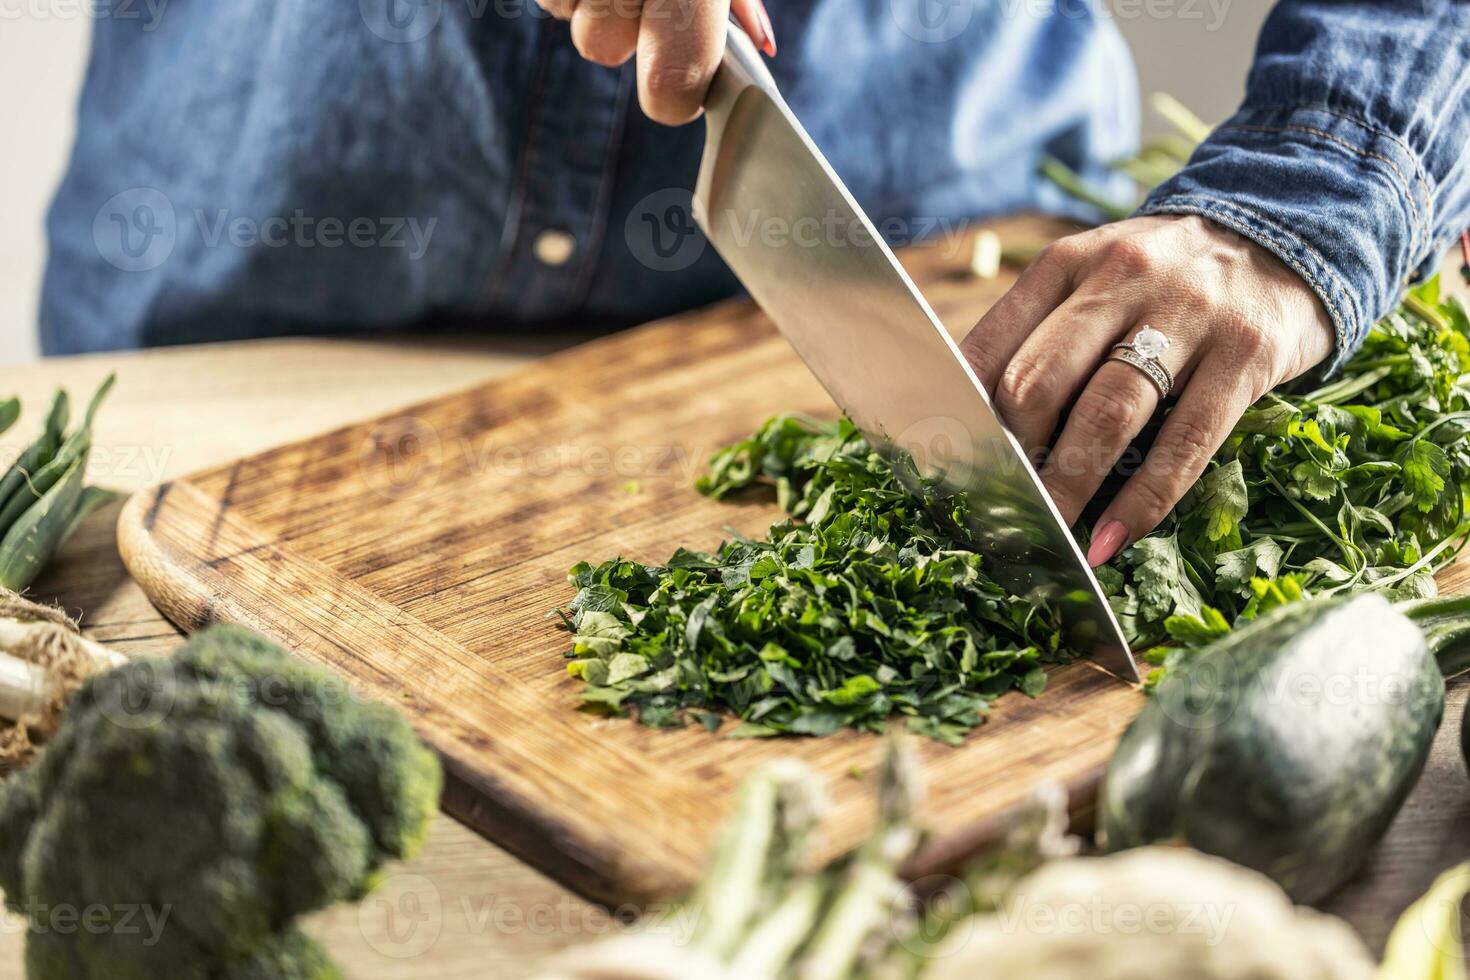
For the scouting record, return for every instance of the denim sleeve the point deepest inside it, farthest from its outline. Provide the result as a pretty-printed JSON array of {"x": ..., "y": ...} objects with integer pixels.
[{"x": 1348, "y": 157}]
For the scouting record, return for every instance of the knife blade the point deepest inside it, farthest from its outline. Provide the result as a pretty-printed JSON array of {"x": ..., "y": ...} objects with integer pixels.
[{"x": 788, "y": 228}]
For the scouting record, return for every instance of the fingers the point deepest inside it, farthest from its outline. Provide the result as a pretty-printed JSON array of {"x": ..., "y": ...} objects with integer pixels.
[
  {"x": 1111, "y": 411},
  {"x": 1000, "y": 332},
  {"x": 757, "y": 23},
  {"x": 606, "y": 31},
  {"x": 1239, "y": 319},
  {"x": 560, "y": 9},
  {"x": 678, "y": 44},
  {"x": 679, "y": 48},
  {"x": 1109, "y": 414},
  {"x": 1056, "y": 360},
  {"x": 1193, "y": 431}
]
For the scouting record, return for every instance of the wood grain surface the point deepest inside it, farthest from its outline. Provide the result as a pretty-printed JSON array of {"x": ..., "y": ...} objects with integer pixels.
[
  {"x": 419, "y": 554},
  {"x": 464, "y": 909},
  {"x": 467, "y": 909}
]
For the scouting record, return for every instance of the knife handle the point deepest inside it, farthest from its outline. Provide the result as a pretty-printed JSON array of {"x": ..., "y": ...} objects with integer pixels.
[{"x": 741, "y": 67}]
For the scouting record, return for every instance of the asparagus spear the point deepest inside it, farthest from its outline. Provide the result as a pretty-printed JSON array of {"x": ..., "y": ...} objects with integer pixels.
[
  {"x": 1157, "y": 160},
  {"x": 1071, "y": 182},
  {"x": 773, "y": 941},
  {"x": 866, "y": 898},
  {"x": 1177, "y": 114},
  {"x": 760, "y": 848}
]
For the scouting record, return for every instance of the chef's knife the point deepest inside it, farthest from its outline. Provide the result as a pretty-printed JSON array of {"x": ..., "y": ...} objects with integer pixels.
[{"x": 785, "y": 224}]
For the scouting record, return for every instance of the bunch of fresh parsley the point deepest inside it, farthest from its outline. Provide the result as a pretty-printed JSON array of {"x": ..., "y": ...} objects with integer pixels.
[
  {"x": 860, "y": 605},
  {"x": 856, "y": 607},
  {"x": 1359, "y": 484}
]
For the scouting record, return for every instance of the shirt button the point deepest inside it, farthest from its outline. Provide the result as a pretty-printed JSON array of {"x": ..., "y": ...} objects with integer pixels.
[{"x": 554, "y": 247}]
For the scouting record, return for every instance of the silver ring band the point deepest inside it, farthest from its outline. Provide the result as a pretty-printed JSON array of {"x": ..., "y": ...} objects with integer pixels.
[{"x": 1152, "y": 368}]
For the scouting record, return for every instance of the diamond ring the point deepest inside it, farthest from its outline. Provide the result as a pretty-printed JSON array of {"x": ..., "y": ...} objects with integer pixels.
[{"x": 1143, "y": 352}]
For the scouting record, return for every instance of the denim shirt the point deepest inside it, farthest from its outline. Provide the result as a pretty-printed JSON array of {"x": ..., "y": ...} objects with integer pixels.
[
  {"x": 274, "y": 167},
  {"x": 1350, "y": 156},
  {"x": 498, "y": 180}
]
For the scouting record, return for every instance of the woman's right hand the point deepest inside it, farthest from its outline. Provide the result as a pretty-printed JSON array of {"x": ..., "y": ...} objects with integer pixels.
[{"x": 678, "y": 44}]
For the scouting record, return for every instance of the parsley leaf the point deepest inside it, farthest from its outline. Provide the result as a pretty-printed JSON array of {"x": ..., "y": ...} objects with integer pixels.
[{"x": 1359, "y": 484}]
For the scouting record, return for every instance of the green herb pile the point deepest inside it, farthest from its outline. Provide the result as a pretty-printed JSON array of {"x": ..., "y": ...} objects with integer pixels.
[
  {"x": 856, "y": 607},
  {"x": 859, "y": 605},
  {"x": 1359, "y": 484},
  {"x": 43, "y": 496}
]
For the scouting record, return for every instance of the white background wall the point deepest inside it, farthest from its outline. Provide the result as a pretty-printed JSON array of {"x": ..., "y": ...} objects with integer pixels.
[
  {"x": 42, "y": 51},
  {"x": 1195, "y": 49}
]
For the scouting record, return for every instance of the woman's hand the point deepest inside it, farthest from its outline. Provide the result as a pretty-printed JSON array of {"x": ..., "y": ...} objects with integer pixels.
[
  {"x": 1239, "y": 323},
  {"x": 678, "y": 43}
]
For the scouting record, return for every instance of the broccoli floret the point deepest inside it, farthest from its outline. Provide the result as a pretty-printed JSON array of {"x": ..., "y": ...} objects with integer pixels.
[
  {"x": 292, "y": 955},
  {"x": 219, "y": 793},
  {"x": 287, "y": 955}
]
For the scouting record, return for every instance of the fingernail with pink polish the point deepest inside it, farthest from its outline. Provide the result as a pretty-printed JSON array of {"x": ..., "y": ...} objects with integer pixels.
[
  {"x": 768, "y": 42},
  {"x": 1107, "y": 542}
]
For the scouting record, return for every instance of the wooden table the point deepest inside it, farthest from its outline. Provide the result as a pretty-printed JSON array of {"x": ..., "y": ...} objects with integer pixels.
[{"x": 464, "y": 908}]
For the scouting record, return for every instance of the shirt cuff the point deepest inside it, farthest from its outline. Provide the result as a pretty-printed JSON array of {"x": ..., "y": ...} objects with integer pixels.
[{"x": 1344, "y": 204}]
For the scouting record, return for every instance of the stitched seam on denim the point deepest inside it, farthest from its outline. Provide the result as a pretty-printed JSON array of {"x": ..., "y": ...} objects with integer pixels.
[
  {"x": 1417, "y": 233},
  {"x": 510, "y": 233},
  {"x": 598, "y": 230},
  {"x": 1294, "y": 128},
  {"x": 1420, "y": 176},
  {"x": 1225, "y": 212}
]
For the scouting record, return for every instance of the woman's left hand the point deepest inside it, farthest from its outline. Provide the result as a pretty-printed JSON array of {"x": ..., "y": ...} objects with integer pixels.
[{"x": 1239, "y": 322}]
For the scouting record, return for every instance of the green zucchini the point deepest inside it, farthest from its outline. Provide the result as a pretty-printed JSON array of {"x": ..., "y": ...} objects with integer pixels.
[{"x": 1289, "y": 745}]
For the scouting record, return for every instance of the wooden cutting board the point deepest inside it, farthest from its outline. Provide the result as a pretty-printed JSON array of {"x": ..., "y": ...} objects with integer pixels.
[{"x": 419, "y": 555}]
